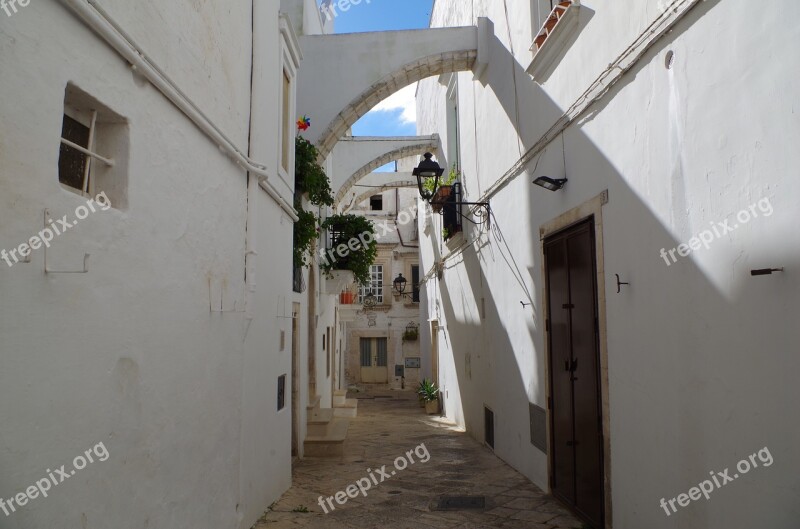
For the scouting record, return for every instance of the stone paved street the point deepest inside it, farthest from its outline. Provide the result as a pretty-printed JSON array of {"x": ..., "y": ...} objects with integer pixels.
[{"x": 387, "y": 427}]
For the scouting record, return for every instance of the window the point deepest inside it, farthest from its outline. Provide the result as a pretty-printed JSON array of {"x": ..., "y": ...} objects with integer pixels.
[
  {"x": 329, "y": 356},
  {"x": 286, "y": 122},
  {"x": 451, "y": 213},
  {"x": 93, "y": 148},
  {"x": 72, "y": 170},
  {"x": 376, "y": 203},
  {"x": 453, "y": 125},
  {"x": 298, "y": 283},
  {"x": 285, "y": 80},
  {"x": 415, "y": 283},
  {"x": 281, "y": 392},
  {"x": 375, "y": 285},
  {"x": 552, "y": 33}
]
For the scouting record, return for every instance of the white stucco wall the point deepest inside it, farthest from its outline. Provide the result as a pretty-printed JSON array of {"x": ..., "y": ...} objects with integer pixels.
[
  {"x": 130, "y": 354},
  {"x": 692, "y": 347}
]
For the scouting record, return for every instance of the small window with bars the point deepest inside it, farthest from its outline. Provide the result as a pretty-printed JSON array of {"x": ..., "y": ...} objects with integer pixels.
[{"x": 94, "y": 148}]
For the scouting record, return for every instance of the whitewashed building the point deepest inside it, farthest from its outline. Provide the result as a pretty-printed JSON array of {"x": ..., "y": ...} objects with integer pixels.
[
  {"x": 609, "y": 339},
  {"x": 383, "y": 341},
  {"x": 160, "y": 327}
]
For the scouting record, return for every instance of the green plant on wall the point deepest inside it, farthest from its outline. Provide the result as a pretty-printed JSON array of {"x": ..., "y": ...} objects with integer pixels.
[
  {"x": 350, "y": 231},
  {"x": 410, "y": 335},
  {"x": 454, "y": 175},
  {"x": 305, "y": 233},
  {"x": 310, "y": 177}
]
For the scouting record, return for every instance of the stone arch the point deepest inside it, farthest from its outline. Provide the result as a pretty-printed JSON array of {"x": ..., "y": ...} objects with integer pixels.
[
  {"x": 344, "y": 76},
  {"x": 367, "y": 100},
  {"x": 397, "y": 184},
  {"x": 426, "y": 144}
]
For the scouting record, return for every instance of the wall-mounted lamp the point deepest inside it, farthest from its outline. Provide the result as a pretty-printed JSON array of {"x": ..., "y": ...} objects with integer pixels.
[
  {"x": 765, "y": 271},
  {"x": 429, "y": 169},
  {"x": 400, "y": 284},
  {"x": 551, "y": 184}
]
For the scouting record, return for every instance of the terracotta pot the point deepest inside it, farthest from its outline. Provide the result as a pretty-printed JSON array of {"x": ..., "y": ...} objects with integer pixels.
[
  {"x": 432, "y": 407},
  {"x": 440, "y": 198}
]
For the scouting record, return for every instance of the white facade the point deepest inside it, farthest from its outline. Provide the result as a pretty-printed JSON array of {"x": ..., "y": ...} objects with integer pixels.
[
  {"x": 168, "y": 351},
  {"x": 398, "y": 253},
  {"x": 697, "y": 355}
]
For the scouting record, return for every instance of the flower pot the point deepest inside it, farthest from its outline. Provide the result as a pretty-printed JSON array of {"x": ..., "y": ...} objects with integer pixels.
[
  {"x": 347, "y": 298},
  {"x": 432, "y": 407},
  {"x": 441, "y": 198}
]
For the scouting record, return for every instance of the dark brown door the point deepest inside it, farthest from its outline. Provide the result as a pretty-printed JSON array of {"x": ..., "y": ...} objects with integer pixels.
[{"x": 575, "y": 417}]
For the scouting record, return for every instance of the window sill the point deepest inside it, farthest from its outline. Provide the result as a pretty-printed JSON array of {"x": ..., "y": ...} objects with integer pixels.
[{"x": 551, "y": 38}]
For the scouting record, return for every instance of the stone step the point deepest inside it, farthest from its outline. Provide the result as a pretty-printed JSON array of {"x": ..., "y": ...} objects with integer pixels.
[
  {"x": 348, "y": 409},
  {"x": 339, "y": 397},
  {"x": 330, "y": 444},
  {"x": 320, "y": 421}
]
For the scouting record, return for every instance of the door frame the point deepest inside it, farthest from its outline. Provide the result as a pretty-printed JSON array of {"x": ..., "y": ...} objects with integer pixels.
[
  {"x": 295, "y": 391},
  {"x": 374, "y": 358},
  {"x": 590, "y": 208}
]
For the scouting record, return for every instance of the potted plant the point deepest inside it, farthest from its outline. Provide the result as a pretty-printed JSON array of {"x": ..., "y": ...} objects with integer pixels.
[
  {"x": 445, "y": 189},
  {"x": 310, "y": 180},
  {"x": 347, "y": 297},
  {"x": 353, "y": 246},
  {"x": 429, "y": 393},
  {"x": 411, "y": 335}
]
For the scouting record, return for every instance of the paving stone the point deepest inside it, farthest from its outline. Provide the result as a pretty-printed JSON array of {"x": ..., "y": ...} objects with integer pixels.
[{"x": 388, "y": 428}]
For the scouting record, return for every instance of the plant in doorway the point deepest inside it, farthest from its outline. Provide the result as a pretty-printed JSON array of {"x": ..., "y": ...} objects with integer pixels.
[{"x": 429, "y": 394}]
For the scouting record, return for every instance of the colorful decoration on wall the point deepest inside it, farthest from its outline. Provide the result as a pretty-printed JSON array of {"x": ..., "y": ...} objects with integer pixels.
[{"x": 303, "y": 123}]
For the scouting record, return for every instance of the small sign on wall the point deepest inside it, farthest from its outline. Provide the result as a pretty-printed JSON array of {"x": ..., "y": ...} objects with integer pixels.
[
  {"x": 413, "y": 363},
  {"x": 399, "y": 371}
]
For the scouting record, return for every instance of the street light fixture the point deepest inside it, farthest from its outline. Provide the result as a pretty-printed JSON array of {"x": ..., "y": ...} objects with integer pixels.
[
  {"x": 400, "y": 284},
  {"x": 428, "y": 169}
]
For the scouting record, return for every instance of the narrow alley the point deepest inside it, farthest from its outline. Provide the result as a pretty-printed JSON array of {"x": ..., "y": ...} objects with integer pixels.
[{"x": 388, "y": 426}]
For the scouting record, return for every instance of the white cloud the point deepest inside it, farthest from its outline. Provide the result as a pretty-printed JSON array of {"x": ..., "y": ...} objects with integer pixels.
[{"x": 405, "y": 100}]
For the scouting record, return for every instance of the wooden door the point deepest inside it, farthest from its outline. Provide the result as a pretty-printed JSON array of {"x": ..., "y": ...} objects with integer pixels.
[
  {"x": 575, "y": 416},
  {"x": 374, "y": 360}
]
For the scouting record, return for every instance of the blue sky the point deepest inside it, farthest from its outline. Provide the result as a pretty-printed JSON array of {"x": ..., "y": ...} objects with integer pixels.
[{"x": 396, "y": 116}]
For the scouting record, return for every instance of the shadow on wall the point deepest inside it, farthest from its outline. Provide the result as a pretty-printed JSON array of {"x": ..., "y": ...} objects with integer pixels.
[{"x": 681, "y": 381}]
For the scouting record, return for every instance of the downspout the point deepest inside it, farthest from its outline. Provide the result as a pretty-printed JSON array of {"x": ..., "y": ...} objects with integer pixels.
[
  {"x": 100, "y": 22},
  {"x": 396, "y": 216}
]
